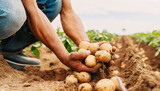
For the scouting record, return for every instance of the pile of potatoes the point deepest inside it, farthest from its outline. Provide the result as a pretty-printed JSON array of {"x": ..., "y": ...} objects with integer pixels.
[
  {"x": 81, "y": 77},
  {"x": 100, "y": 53},
  {"x": 84, "y": 78}
]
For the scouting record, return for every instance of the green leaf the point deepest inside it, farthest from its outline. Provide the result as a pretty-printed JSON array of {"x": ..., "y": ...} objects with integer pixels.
[
  {"x": 157, "y": 53},
  {"x": 27, "y": 50},
  {"x": 67, "y": 46},
  {"x": 35, "y": 51},
  {"x": 37, "y": 44}
]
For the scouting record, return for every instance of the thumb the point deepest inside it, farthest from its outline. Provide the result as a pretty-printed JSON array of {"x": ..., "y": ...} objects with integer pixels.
[{"x": 80, "y": 55}]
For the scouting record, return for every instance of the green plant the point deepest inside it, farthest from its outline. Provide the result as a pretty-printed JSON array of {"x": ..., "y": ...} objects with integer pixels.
[
  {"x": 68, "y": 43},
  {"x": 94, "y": 36},
  {"x": 151, "y": 39},
  {"x": 34, "y": 48}
]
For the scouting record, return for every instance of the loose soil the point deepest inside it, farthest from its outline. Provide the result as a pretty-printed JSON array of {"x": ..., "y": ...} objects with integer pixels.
[{"x": 137, "y": 66}]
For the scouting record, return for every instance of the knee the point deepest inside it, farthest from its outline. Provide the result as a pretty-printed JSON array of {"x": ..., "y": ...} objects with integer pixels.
[{"x": 11, "y": 21}]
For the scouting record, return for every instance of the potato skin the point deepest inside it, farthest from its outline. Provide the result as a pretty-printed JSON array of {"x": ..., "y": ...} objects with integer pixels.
[
  {"x": 105, "y": 85},
  {"x": 71, "y": 79},
  {"x": 84, "y": 44},
  {"x": 82, "y": 49},
  {"x": 83, "y": 77},
  {"x": 93, "y": 47},
  {"x": 115, "y": 81},
  {"x": 107, "y": 47},
  {"x": 103, "y": 56},
  {"x": 90, "y": 61},
  {"x": 85, "y": 87},
  {"x": 115, "y": 73}
]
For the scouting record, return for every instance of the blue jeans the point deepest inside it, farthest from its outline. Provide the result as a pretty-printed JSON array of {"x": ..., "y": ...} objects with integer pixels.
[
  {"x": 14, "y": 31},
  {"x": 13, "y": 16}
]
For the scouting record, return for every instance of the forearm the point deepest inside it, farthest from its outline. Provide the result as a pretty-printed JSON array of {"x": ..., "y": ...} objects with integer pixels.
[
  {"x": 72, "y": 24},
  {"x": 43, "y": 30}
]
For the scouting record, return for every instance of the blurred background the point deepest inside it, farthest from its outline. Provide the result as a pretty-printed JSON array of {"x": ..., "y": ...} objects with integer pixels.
[{"x": 117, "y": 16}]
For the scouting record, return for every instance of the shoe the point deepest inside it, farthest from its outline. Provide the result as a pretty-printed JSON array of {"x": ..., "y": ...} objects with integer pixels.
[
  {"x": 11, "y": 48},
  {"x": 20, "y": 60}
]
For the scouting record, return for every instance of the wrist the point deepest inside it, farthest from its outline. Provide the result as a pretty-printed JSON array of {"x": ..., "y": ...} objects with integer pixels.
[{"x": 64, "y": 58}]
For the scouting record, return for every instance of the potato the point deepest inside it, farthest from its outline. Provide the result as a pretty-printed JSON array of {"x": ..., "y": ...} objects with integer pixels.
[
  {"x": 90, "y": 61},
  {"x": 82, "y": 49},
  {"x": 103, "y": 56},
  {"x": 85, "y": 87},
  {"x": 115, "y": 73},
  {"x": 157, "y": 73},
  {"x": 84, "y": 44},
  {"x": 115, "y": 81},
  {"x": 111, "y": 62},
  {"x": 83, "y": 77},
  {"x": 107, "y": 47},
  {"x": 93, "y": 47},
  {"x": 123, "y": 65},
  {"x": 71, "y": 79},
  {"x": 116, "y": 56},
  {"x": 105, "y": 85}
]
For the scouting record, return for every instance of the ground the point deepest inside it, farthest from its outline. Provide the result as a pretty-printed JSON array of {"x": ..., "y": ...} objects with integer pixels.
[{"x": 137, "y": 66}]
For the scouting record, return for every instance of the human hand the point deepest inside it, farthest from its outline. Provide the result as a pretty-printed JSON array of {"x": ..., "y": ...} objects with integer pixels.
[{"x": 74, "y": 61}]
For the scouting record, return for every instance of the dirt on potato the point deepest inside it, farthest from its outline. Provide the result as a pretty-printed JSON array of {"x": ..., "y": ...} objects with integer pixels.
[{"x": 136, "y": 64}]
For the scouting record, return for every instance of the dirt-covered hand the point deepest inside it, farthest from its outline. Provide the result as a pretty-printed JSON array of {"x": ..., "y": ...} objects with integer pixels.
[{"x": 74, "y": 61}]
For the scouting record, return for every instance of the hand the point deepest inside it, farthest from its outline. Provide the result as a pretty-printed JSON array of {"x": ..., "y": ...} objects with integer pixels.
[{"x": 74, "y": 61}]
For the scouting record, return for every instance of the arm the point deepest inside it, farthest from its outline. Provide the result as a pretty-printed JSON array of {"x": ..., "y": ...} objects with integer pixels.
[
  {"x": 72, "y": 24},
  {"x": 43, "y": 30}
]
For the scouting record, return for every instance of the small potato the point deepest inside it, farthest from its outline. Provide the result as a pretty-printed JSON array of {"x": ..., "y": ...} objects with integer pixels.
[
  {"x": 85, "y": 87},
  {"x": 115, "y": 81},
  {"x": 114, "y": 48},
  {"x": 123, "y": 65},
  {"x": 83, "y": 77},
  {"x": 90, "y": 61},
  {"x": 71, "y": 79},
  {"x": 116, "y": 56},
  {"x": 115, "y": 73},
  {"x": 105, "y": 85},
  {"x": 157, "y": 73},
  {"x": 93, "y": 47},
  {"x": 103, "y": 56},
  {"x": 82, "y": 49},
  {"x": 107, "y": 47},
  {"x": 111, "y": 63},
  {"x": 84, "y": 44}
]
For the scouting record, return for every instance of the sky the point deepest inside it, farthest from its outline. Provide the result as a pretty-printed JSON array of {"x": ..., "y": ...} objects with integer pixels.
[{"x": 116, "y": 15}]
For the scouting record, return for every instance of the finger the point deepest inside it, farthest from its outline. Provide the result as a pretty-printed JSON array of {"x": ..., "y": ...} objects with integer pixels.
[
  {"x": 100, "y": 43},
  {"x": 92, "y": 70},
  {"x": 80, "y": 55},
  {"x": 98, "y": 66}
]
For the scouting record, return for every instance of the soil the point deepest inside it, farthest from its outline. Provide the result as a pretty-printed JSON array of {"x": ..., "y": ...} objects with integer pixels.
[{"x": 138, "y": 68}]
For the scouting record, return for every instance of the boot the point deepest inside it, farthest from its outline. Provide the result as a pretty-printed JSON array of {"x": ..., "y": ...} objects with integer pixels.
[
  {"x": 20, "y": 60},
  {"x": 11, "y": 49}
]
